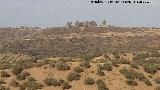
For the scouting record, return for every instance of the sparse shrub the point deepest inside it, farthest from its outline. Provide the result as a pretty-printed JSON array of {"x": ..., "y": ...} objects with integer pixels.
[
  {"x": 131, "y": 82},
  {"x": 100, "y": 72},
  {"x": 14, "y": 83},
  {"x": 62, "y": 66},
  {"x": 141, "y": 56},
  {"x": 89, "y": 81},
  {"x": 101, "y": 85},
  {"x": 134, "y": 65},
  {"x": 157, "y": 79},
  {"x": 20, "y": 77},
  {"x": 73, "y": 76},
  {"x": 27, "y": 64},
  {"x": 78, "y": 69},
  {"x": 51, "y": 82},
  {"x": 65, "y": 85},
  {"x": 139, "y": 76},
  {"x": 32, "y": 85},
  {"x": 5, "y": 74},
  {"x": 2, "y": 81},
  {"x": 131, "y": 74},
  {"x": 124, "y": 61},
  {"x": 17, "y": 69},
  {"x": 85, "y": 64},
  {"x": 115, "y": 62},
  {"x": 107, "y": 66},
  {"x": 150, "y": 69},
  {"x": 31, "y": 79},
  {"x": 147, "y": 82}
]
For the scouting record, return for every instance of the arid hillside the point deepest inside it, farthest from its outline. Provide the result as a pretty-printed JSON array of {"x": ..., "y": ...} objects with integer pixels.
[{"x": 90, "y": 58}]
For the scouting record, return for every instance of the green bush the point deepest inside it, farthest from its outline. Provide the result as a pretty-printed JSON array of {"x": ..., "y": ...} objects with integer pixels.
[
  {"x": 141, "y": 56},
  {"x": 131, "y": 74},
  {"x": 107, "y": 66},
  {"x": 32, "y": 85},
  {"x": 139, "y": 76},
  {"x": 20, "y": 77},
  {"x": 149, "y": 68},
  {"x": 5, "y": 74},
  {"x": 78, "y": 69},
  {"x": 131, "y": 82},
  {"x": 85, "y": 64},
  {"x": 134, "y": 65},
  {"x": 124, "y": 61},
  {"x": 89, "y": 81},
  {"x": 27, "y": 64},
  {"x": 51, "y": 82},
  {"x": 62, "y": 66},
  {"x": 100, "y": 72},
  {"x": 17, "y": 69},
  {"x": 101, "y": 85},
  {"x": 31, "y": 79},
  {"x": 73, "y": 76},
  {"x": 115, "y": 62},
  {"x": 14, "y": 83}
]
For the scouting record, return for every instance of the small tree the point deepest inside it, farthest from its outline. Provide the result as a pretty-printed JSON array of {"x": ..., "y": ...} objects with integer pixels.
[
  {"x": 104, "y": 22},
  {"x": 69, "y": 24}
]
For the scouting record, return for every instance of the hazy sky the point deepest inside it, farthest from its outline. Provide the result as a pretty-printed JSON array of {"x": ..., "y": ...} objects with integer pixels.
[{"x": 58, "y": 12}]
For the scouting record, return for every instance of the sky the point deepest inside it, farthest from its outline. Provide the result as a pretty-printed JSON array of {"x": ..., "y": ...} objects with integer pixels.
[{"x": 58, "y": 12}]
